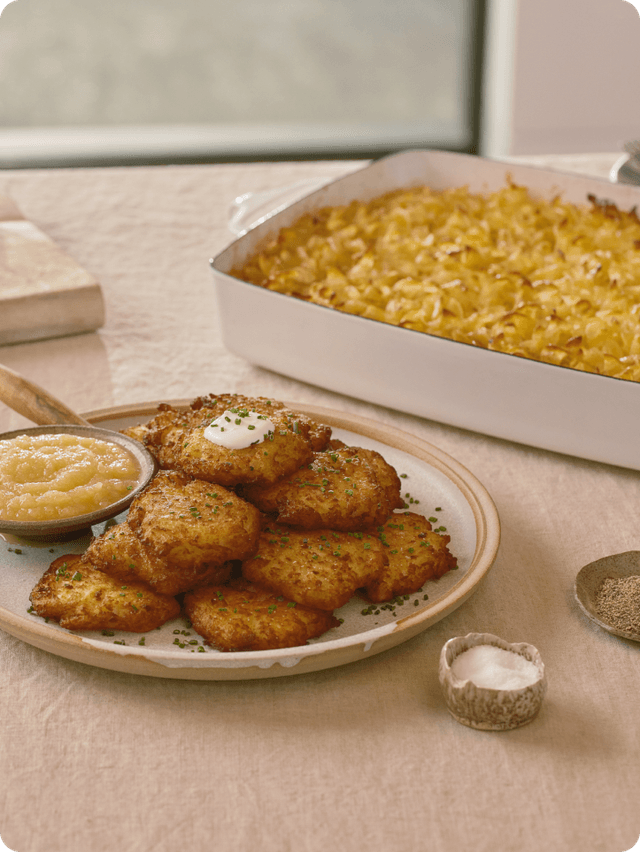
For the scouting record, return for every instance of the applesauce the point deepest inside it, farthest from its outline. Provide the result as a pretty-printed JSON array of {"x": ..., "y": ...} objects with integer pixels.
[{"x": 54, "y": 476}]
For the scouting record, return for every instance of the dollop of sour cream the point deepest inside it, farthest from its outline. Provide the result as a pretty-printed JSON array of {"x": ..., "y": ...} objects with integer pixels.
[
  {"x": 491, "y": 667},
  {"x": 237, "y": 429}
]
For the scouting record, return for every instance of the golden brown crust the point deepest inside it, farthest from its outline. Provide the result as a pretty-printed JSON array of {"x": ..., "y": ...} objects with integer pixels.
[
  {"x": 318, "y": 568},
  {"x": 176, "y": 439},
  {"x": 415, "y": 554},
  {"x": 242, "y": 616},
  {"x": 120, "y": 553},
  {"x": 187, "y": 522},
  {"x": 333, "y": 444},
  {"x": 165, "y": 431},
  {"x": 347, "y": 489},
  {"x": 80, "y": 597},
  {"x": 137, "y": 432},
  {"x": 282, "y": 452}
]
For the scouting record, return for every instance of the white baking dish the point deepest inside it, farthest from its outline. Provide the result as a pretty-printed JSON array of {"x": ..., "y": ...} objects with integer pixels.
[{"x": 542, "y": 405}]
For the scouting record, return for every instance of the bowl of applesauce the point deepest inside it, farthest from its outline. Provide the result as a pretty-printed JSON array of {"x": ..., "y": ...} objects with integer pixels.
[{"x": 58, "y": 479}]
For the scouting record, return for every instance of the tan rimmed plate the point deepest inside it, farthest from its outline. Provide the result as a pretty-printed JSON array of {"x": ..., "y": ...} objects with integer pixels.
[{"x": 439, "y": 487}]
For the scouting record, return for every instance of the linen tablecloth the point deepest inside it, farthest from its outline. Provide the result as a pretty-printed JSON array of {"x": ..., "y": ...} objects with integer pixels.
[{"x": 363, "y": 756}]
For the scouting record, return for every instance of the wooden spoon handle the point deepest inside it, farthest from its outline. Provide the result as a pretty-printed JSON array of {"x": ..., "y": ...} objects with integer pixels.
[{"x": 34, "y": 402}]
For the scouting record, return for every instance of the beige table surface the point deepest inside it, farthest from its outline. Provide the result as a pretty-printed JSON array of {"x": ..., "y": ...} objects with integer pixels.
[{"x": 360, "y": 757}]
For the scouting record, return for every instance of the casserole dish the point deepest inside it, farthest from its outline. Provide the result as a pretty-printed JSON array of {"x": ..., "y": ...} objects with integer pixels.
[{"x": 537, "y": 404}]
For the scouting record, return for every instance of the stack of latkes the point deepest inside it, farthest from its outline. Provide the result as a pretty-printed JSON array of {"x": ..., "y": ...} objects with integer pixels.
[{"x": 258, "y": 545}]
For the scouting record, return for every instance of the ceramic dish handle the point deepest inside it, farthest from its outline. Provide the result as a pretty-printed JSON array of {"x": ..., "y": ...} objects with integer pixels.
[
  {"x": 626, "y": 169},
  {"x": 250, "y": 209},
  {"x": 34, "y": 402}
]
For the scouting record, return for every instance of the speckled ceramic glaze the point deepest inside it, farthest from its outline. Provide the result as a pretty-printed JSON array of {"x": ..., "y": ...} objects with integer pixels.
[
  {"x": 482, "y": 707},
  {"x": 592, "y": 576}
]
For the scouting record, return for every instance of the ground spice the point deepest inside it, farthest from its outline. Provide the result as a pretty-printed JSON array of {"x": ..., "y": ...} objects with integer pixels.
[{"x": 618, "y": 603}]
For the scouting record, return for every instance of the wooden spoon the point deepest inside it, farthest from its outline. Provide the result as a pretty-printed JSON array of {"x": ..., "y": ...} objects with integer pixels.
[{"x": 33, "y": 402}]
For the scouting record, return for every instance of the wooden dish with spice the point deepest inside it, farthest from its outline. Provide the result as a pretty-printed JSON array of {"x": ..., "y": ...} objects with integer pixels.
[{"x": 608, "y": 592}]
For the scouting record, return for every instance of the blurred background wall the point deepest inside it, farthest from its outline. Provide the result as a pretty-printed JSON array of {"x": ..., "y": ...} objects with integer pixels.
[
  {"x": 91, "y": 82},
  {"x": 561, "y": 76}
]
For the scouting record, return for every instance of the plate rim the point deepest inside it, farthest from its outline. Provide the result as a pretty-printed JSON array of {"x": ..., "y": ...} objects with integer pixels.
[{"x": 290, "y": 661}]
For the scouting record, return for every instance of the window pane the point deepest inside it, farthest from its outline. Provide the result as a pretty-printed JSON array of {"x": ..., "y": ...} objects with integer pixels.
[{"x": 340, "y": 74}]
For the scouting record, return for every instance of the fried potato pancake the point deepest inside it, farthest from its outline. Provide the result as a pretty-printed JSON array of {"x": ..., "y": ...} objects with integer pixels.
[
  {"x": 282, "y": 452},
  {"x": 187, "y": 522},
  {"x": 119, "y": 553},
  {"x": 166, "y": 430},
  {"x": 318, "y": 568},
  {"x": 176, "y": 438},
  {"x": 415, "y": 554},
  {"x": 243, "y": 616},
  {"x": 80, "y": 597},
  {"x": 346, "y": 489}
]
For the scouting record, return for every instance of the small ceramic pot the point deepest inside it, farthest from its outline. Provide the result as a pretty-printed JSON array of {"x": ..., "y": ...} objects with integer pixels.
[{"x": 483, "y": 707}]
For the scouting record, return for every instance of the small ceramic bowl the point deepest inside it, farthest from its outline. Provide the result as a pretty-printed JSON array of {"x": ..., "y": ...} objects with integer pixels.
[
  {"x": 589, "y": 579},
  {"x": 485, "y": 708},
  {"x": 65, "y": 527}
]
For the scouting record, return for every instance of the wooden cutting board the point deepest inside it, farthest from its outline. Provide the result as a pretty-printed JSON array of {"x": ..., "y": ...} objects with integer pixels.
[{"x": 43, "y": 291}]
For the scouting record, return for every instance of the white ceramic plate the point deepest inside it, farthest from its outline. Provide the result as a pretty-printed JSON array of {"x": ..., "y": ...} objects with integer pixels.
[
  {"x": 444, "y": 489},
  {"x": 541, "y": 405}
]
